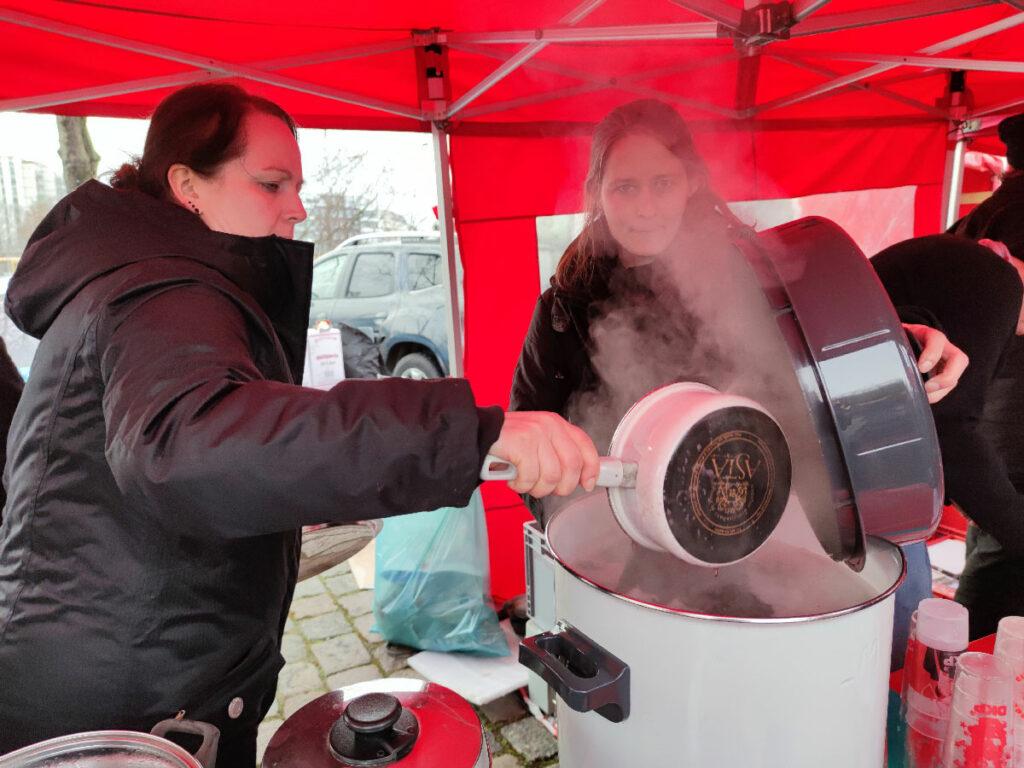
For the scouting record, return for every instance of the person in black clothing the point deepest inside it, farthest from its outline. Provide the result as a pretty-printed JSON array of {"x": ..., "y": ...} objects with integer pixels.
[
  {"x": 975, "y": 297},
  {"x": 999, "y": 223},
  {"x": 162, "y": 460},
  {"x": 11, "y": 385},
  {"x": 651, "y": 215},
  {"x": 1001, "y": 217}
]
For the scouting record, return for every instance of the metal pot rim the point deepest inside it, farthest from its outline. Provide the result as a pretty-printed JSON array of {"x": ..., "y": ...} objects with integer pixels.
[
  {"x": 72, "y": 744},
  {"x": 872, "y": 544}
]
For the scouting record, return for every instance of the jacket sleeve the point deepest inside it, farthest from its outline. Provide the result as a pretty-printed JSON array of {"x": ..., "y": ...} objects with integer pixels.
[
  {"x": 976, "y": 476},
  {"x": 976, "y": 479},
  {"x": 543, "y": 379},
  {"x": 195, "y": 432}
]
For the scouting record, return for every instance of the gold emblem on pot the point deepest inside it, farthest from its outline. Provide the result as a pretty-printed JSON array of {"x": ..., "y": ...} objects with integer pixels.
[{"x": 732, "y": 483}]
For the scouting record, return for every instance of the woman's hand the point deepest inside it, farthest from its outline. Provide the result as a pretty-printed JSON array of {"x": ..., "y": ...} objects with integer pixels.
[
  {"x": 939, "y": 355},
  {"x": 998, "y": 248},
  {"x": 550, "y": 454}
]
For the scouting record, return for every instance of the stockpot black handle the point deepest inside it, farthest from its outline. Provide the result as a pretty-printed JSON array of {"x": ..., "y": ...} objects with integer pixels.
[
  {"x": 583, "y": 674},
  {"x": 207, "y": 752}
]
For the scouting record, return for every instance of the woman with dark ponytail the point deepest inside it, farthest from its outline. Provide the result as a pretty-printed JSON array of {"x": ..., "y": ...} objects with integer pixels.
[{"x": 163, "y": 459}]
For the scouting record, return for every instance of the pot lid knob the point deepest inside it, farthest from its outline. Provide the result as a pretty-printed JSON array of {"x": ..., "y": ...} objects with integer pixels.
[
  {"x": 374, "y": 730},
  {"x": 372, "y": 713}
]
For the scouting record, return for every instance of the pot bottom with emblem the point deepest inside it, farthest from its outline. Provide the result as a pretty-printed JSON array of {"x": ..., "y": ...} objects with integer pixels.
[{"x": 713, "y": 474}]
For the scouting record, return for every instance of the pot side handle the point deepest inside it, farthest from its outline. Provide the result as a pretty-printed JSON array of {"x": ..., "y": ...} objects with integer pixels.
[
  {"x": 583, "y": 674},
  {"x": 207, "y": 752}
]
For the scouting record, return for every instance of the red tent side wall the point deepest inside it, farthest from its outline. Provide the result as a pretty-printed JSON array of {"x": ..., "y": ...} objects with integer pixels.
[{"x": 501, "y": 183}]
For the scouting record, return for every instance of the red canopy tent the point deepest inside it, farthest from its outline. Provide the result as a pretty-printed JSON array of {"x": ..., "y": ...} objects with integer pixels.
[{"x": 786, "y": 99}]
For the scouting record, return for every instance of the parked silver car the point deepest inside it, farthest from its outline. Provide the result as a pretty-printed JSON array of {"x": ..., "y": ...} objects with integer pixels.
[{"x": 390, "y": 286}]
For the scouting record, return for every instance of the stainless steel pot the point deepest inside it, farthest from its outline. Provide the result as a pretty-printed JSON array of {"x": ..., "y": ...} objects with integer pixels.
[{"x": 120, "y": 749}]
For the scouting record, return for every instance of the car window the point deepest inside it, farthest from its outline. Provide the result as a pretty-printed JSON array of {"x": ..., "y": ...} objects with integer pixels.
[
  {"x": 424, "y": 270},
  {"x": 373, "y": 275},
  {"x": 325, "y": 277}
]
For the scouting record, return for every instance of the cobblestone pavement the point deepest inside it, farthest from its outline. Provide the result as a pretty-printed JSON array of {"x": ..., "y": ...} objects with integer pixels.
[{"x": 328, "y": 643}]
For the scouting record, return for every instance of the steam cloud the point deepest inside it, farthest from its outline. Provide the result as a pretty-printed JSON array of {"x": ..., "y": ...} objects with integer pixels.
[{"x": 700, "y": 315}]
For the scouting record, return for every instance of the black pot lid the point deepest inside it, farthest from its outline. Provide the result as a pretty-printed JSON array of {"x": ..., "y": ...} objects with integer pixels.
[
  {"x": 406, "y": 723},
  {"x": 858, "y": 375}
]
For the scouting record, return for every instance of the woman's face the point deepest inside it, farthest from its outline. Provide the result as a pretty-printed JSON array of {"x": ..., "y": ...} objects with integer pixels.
[
  {"x": 257, "y": 193},
  {"x": 643, "y": 196}
]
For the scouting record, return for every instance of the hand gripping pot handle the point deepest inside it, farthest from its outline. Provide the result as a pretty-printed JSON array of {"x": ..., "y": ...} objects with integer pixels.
[
  {"x": 207, "y": 752},
  {"x": 583, "y": 674},
  {"x": 613, "y": 473}
]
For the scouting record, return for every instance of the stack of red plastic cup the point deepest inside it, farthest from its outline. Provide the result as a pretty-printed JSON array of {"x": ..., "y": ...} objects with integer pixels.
[
  {"x": 1010, "y": 650},
  {"x": 980, "y": 714}
]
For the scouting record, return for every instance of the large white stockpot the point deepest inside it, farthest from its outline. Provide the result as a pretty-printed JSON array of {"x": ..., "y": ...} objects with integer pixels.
[{"x": 780, "y": 661}]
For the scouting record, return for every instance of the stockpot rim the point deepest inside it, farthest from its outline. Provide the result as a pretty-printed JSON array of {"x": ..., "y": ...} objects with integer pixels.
[{"x": 873, "y": 543}]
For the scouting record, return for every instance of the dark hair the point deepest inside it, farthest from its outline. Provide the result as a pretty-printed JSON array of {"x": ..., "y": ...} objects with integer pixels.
[
  {"x": 199, "y": 126},
  {"x": 1011, "y": 132},
  {"x": 595, "y": 243}
]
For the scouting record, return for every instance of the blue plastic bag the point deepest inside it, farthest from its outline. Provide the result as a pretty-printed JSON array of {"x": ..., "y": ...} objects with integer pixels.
[{"x": 431, "y": 585}]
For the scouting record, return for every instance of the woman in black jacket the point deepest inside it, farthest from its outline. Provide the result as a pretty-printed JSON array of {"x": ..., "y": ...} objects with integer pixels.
[
  {"x": 652, "y": 220},
  {"x": 162, "y": 459},
  {"x": 975, "y": 296}
]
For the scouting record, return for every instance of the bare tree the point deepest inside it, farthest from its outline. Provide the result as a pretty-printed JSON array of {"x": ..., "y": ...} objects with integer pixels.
[
  {"x": 77, "y": 153},
  {"x": 344, "y": 207}
]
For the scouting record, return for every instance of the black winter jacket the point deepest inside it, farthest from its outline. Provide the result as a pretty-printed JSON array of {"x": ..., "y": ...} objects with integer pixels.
[
  {"x": 975, "y": 298},
  {"x": 161, "y": 464},
  {"x": 1001, "y": 217}
]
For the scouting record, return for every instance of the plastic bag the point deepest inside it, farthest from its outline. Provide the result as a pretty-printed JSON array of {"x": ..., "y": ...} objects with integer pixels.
[{"x": 431, "y": 585}]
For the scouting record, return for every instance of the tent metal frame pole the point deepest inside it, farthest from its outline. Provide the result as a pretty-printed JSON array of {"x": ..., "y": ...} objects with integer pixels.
[
  {"x": 198, "y": 76},
  {"x": 204, "y": 63},
  {"x": 599, "y": 83},
  {"x": 106, "y": 91},
  {"x": 935, "y": 62},
  {"x": 999, "y": 108},
  {"x": 727, "y": 15},
  {"x": 836, "y": 22},
  {"x": 873, "y": 88},
  {"x": 820, "y": 90},
  {"x": 590, "y": 83},
  {"x": 699, "y": 30},
  {"x": 804, "y": 8},
  {"x": 446, "y": 220},
  {"x": 518, "y": 59},
  {"x": 953, "y": 181}
]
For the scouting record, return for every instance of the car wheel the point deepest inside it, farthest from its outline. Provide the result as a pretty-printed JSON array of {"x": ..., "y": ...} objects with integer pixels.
[{"x": 416, "y": 366}]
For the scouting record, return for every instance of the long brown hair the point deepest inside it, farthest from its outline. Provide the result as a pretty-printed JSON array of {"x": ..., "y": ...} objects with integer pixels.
[
  {"x": 595, "y": 247},
  {"x": 199, "y": 126}
]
